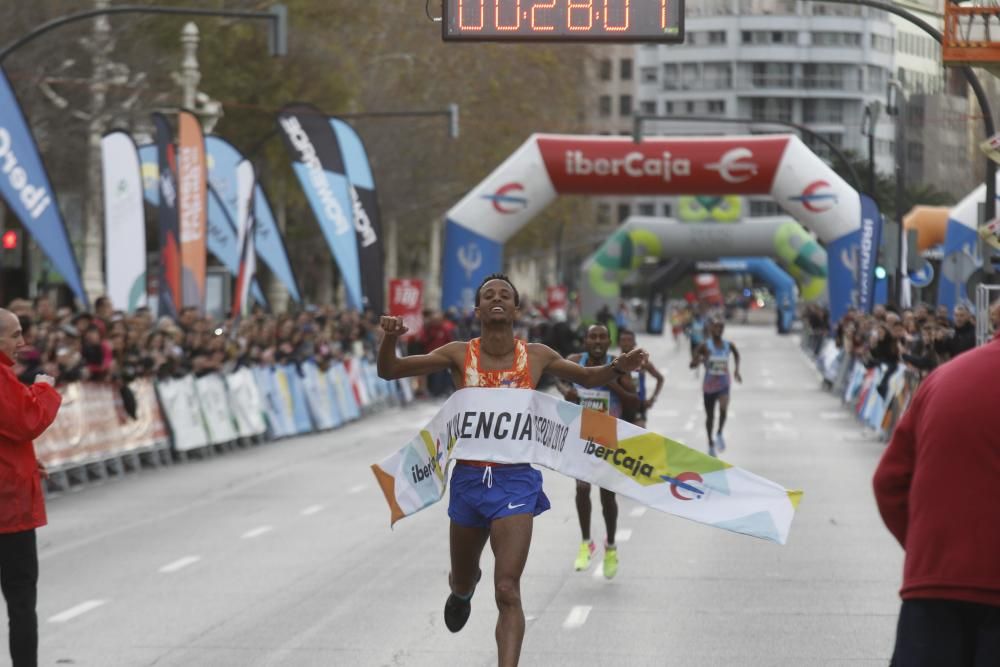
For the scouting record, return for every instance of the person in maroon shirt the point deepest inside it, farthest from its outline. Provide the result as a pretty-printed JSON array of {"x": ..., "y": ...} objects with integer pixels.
[
  {"x": 25, "y": 413},
  {"x": 938, "y": 490},
  {"x": 438, "y": 331}
]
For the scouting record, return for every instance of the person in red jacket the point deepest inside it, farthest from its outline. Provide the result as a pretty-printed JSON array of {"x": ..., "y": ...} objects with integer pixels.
[
  {"x": 938, "y": 492},
  {"x": 25, "y": 413}
]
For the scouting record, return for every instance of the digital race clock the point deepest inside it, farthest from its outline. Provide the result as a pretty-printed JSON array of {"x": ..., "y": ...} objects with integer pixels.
[{"x": 564, "y": 20}]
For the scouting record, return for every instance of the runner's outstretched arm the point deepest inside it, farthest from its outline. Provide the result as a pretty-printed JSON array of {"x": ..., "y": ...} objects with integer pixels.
[
  {"x": 590, "y": 376},
  {"x": 392, "y": 367}
]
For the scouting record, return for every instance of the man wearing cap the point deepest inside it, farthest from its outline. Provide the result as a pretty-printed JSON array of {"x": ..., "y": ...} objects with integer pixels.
[{"x": 25, "y": 413}]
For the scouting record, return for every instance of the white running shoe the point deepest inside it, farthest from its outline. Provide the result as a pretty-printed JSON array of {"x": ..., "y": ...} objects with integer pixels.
[{"x": 720, "y": 443}]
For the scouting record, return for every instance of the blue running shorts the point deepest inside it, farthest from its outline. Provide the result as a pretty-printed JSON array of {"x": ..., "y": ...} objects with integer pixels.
[{"x": 481, "y": 495}]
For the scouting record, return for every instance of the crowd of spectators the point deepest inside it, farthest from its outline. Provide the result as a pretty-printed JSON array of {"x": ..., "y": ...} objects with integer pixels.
[
  {"x": 108, "y": 345},
  {"x": 921, "y": 337}
]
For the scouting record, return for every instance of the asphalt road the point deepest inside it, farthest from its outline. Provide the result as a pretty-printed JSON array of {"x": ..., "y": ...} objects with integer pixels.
[{"x": 282, "y": 554}]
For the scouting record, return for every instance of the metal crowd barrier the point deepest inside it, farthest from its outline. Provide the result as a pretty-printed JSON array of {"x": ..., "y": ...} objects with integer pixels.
[
  {"x": 857, "y": 387},
  {"x": 93, "y": 437}
]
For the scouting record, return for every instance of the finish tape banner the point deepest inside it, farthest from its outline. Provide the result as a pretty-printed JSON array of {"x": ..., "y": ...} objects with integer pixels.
[
  {"x": 24, "y": 185},
  {"x": 523, "y": 426}
]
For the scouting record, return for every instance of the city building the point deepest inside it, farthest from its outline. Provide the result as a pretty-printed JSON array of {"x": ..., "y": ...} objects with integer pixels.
[{"x": 816, "y": 64}]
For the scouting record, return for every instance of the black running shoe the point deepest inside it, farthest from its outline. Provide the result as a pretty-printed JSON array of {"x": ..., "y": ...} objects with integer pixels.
[{"x": 457, "y": 610}]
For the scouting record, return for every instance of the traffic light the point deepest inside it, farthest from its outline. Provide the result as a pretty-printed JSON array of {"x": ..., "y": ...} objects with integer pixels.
[
  {"x": 11, "y": 252},
  {"x": 880, "y": 272}
]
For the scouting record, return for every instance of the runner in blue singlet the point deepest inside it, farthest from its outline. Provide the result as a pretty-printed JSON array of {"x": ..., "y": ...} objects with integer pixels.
[
  {"x": 714, "y": 354},
  {"x": 608, "y": 399}
]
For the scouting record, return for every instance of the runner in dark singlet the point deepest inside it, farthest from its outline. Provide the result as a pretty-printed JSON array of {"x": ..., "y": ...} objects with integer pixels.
[
  {"x": 609, "y": 399},
  {"x": 489, "y": 501},
  {"x": 626, "y": 341},
  {"x": 714, "y": 354}
]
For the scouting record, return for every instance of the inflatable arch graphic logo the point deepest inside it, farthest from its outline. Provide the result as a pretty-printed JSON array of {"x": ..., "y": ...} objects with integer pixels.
[
  {"x": 547, "y": 166},
  {"x": 703, "y": 208}
]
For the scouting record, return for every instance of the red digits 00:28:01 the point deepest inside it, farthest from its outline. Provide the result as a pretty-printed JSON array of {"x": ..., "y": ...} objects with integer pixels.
[{"x": 580, "y": 15}]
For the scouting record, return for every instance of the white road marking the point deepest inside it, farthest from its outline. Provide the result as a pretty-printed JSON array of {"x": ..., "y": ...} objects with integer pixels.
[
  {"x": 577, "y": 616},
  {"x": 637, "y": 511},
  {"x": 79, "y": 609},
  {"x": 312, "y": 509},
  {"x": 179, "y": 564},
  {"x": 358, "y": 488},
  {"x": 776, "y": 414},
  {"x": 623, "y": 535},
  {"x": 257, "y": 532},
  {"x": 833, "y": 416}
]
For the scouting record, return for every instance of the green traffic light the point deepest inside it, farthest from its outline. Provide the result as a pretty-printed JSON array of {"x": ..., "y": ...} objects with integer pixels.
[{"x": 880, "y": 272}]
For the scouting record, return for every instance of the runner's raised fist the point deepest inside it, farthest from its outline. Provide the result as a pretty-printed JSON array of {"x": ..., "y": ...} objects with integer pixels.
[{"x": 393, "y": 326}]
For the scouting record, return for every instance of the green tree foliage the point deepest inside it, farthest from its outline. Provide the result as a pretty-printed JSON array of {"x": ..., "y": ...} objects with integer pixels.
[{"x": 922, "y": 194}]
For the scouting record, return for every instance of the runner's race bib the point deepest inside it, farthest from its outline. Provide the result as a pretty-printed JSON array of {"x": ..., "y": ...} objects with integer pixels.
[
  {"x": 718, "y": 366},
  {"x": 595, "y": 399}
]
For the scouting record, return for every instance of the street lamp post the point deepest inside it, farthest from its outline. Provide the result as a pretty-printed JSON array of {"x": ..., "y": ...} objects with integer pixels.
[
  {"x": 897, "y": 106},
  {"x": 868, "y": 122}
]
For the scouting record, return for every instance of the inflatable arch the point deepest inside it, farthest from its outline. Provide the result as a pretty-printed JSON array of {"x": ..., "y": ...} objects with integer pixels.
[
  {"x": 960, "y": 250},
  {"x": 931, "y": 223},
  {"x": 640, "y": 237},
  {"x": 765, "y": 269},
  {"x": 545, "y": 166}
]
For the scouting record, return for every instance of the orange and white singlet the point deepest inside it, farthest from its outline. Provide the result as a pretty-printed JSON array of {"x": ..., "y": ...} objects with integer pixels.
[{"x": 517, "y": 376}]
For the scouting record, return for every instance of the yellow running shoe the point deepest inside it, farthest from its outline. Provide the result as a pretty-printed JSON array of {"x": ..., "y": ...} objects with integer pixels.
[
  {"x": 583, "y": 558},
  {"x": 610, "y": 561}
]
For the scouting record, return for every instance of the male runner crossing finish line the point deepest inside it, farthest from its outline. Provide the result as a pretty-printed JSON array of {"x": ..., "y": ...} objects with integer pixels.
[{"x": 492, "y": 501}]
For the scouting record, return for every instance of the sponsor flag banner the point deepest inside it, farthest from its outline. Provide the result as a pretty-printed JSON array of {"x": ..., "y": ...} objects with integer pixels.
[
  {"x": 192, "y": 207},
  {"x": 170, "y": 259},
  {"x": 248, "y": 257},
  {"x": 221, "y": 238},
  {"x": 406, "y": 300},
  {"x": 124, "y": 222},
  {"x": 25, "y": 187},
  {"x": 268, "y": 240},
  {"x": 317, "y": 163},
  {"x": 523, "y": 426},
  {"x": 869, "y": 241},
  {"x": 367, "y": 220}
]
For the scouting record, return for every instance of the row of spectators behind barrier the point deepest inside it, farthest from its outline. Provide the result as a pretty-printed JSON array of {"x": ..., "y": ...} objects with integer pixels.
[
  {"x": 133, "y": 385},
  {"x": 875, "y": 362}
]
